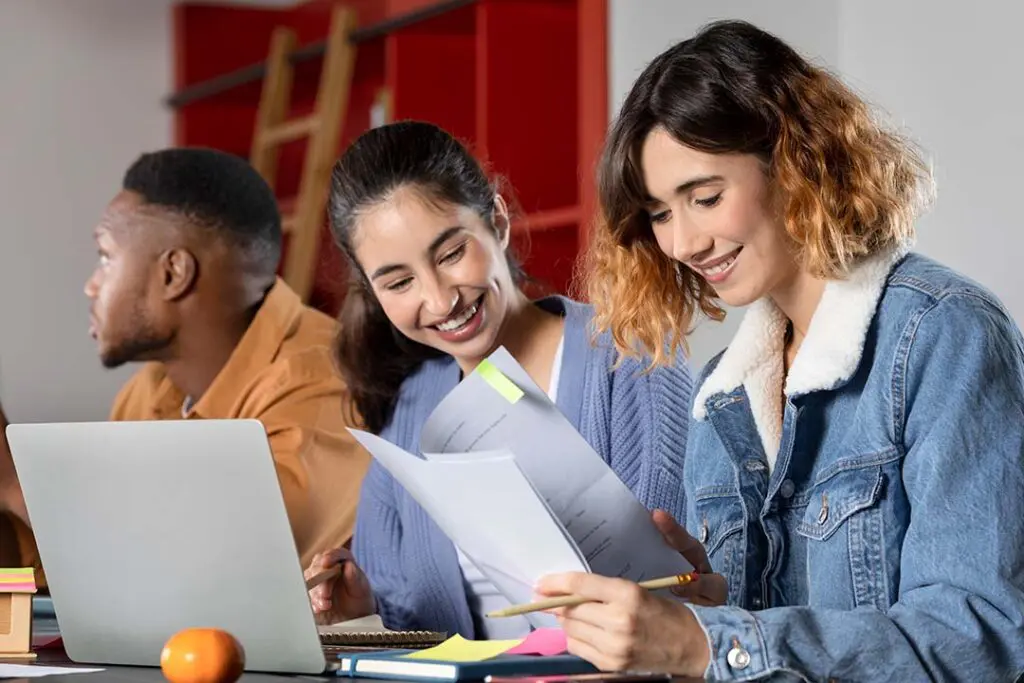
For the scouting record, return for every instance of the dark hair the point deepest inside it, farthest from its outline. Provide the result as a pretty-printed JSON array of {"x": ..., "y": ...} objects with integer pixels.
[
  {"x": 844, "y": 185},
  {"x": 374, "y": 357},
  {"x": 215, "y": 190}
]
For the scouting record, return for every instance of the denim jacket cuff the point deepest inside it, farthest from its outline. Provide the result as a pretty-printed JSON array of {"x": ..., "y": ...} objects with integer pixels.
[{"x": 737, "y": 646}]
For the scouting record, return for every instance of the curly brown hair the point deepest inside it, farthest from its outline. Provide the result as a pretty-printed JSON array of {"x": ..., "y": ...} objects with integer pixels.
[{"x": 847, "y": 187}]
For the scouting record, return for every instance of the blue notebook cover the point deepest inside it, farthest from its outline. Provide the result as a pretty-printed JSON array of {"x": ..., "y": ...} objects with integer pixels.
[{"x": 390, "y": 664}]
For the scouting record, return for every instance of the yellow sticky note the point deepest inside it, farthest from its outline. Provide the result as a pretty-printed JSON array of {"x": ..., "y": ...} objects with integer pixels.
[
  {"x": 458, "y": 649},
  {"x": 499, "y": 382}
]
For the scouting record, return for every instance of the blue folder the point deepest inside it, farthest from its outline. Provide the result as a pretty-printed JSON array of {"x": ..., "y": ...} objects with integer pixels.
[{"x": 390, "y": 664}]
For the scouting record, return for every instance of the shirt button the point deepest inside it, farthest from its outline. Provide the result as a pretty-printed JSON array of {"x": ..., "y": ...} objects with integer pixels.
[
  {"x": 757, "y": 603},
  {"x": 738, "y": 658},
  {"x": 787, "y": 489}
]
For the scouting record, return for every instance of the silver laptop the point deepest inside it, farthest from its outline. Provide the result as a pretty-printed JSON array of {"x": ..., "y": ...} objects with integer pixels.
[{"x": 147, "y": 528}]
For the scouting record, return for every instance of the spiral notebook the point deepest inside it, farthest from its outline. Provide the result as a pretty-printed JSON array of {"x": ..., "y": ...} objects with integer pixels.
[{"x": 370, "y": 632}]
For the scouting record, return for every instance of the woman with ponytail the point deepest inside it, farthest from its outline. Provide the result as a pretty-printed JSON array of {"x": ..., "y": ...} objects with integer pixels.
[{"x": 434, "y": 291}]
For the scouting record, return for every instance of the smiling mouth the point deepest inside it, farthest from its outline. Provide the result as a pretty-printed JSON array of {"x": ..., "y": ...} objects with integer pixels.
[
  {"x": 720, "y": 265},
  {"x": 460, "y": 319}
]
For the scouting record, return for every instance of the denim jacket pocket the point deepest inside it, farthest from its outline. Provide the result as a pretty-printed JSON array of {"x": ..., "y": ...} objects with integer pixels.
[
  {"x": 843, "y": 522},
  {"x": 719, "y": 526},
  {"x": 836, "y": 499}
]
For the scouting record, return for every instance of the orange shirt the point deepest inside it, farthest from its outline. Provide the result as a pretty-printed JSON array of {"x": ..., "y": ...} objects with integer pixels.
[
  {"x": 17, "y": 547},
  {"x": 282, "y": 373}
]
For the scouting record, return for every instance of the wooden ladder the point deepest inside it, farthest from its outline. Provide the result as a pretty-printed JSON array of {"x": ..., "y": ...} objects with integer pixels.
[{"x": 303, "y": 224}]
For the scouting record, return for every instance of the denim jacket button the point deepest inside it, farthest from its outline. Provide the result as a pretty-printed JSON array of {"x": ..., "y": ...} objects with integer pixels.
[
  {"x": 787, "y": 489},
  {"x": 738, "y": 658}
]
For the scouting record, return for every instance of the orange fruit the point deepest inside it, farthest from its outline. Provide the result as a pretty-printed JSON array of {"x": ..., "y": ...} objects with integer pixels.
[{"x": 202, "y": 655}]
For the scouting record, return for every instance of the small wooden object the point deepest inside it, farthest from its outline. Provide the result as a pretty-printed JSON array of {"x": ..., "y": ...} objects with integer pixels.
[
  {"x": 328, "y": 573},
  {"x": 573, "y": 600},
  {"x": 17, "y": 586},
  {"x": 323, "y": 130}
]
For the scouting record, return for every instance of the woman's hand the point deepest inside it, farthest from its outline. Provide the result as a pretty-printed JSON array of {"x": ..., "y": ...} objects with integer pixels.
[
  {"x": 625, "y": 627},
  {"x": 711, "y": 589},
  {"x": 345, "y": 596}
]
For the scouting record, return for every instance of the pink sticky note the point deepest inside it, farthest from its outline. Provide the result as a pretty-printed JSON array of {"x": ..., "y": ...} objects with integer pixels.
[{"x": 543, "y": 641}]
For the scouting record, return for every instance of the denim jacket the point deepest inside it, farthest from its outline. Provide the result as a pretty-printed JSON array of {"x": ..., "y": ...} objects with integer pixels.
[{"x": 869, "y": 515}]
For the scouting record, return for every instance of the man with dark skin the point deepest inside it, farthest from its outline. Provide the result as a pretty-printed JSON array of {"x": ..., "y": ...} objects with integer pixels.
[{"x": 186, "y": 282}]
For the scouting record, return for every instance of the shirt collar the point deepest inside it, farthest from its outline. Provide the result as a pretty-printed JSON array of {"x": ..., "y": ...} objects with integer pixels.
[
  {"x": 274, "y": 322},
  {"x": 829, "y": 354}
]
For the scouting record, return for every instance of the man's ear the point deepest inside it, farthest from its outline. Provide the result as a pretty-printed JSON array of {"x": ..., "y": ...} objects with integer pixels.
[
  {"x": 502, "y": 222},
  {"x": 178, "y": 271}
]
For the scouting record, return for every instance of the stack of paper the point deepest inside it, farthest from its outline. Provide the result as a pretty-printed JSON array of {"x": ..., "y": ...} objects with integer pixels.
[{"x": 520, "y": 492}]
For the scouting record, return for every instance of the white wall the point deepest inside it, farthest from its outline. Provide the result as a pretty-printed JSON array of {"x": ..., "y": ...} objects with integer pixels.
[
  {"x": 640, "y": 30},
  {"x": 950, "y": 77},
  {"x": 79, "y": 100}
]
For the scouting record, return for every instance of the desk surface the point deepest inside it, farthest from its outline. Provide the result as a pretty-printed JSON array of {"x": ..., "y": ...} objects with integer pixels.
[
  {"x": 129, "y": 674},
  {"x": 44, "y": 625}
]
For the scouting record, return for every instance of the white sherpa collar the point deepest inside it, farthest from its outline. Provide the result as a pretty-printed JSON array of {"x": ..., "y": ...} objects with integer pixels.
[{"x": 828, "y": 356}]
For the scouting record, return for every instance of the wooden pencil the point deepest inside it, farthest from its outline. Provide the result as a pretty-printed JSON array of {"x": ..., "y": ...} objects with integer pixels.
[
  {"x": 573, "y": 600},
  {"x": 315, "y": 580}
]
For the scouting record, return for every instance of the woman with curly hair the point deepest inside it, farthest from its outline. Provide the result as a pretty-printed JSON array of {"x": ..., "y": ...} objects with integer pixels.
[{"x": 855, "y": 457}]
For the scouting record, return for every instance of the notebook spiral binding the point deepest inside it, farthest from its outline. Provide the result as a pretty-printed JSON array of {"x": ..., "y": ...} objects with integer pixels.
[{"x": 404, "y": 639}]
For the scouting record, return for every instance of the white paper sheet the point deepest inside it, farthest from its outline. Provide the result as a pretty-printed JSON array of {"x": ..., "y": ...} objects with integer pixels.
[
  {"x": 35, "y": 671},
  {"x": 609, "y": 525},
  {"x": 490, "y": 510},
  {"x": 521, "y": 493},
  {"x": 366, "y": 624}
]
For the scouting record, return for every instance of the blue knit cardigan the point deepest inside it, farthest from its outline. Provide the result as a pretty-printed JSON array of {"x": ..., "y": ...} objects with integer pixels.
[{"x": 636, "y": 421}]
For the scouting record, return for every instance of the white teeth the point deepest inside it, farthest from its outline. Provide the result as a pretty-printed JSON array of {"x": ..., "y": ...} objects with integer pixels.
[
  {"x": 456, "y": 323},
  {"x": 720, "y": 268}
]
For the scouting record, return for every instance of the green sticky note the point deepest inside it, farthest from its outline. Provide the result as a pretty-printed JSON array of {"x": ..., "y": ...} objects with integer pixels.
[{"x": 499, "y": 382}]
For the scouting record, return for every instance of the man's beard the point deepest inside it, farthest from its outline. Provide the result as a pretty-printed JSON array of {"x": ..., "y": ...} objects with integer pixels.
[{"x": 145, "y": 344}]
